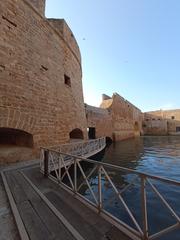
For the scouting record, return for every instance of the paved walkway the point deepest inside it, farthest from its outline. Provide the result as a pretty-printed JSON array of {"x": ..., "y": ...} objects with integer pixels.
[
  {"x": 48, "y": 212},
  {"x": 8, "y": 230}
]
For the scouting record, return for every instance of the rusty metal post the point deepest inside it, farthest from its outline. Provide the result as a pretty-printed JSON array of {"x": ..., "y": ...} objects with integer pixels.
[{"x": 46, "y": 163}]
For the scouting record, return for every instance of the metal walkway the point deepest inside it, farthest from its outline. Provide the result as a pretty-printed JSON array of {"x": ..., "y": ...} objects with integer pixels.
[{"x": 44, "y": 211}]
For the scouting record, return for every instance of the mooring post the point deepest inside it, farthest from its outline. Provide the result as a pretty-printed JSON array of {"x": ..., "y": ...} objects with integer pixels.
[{"x": 46, "y": 161}]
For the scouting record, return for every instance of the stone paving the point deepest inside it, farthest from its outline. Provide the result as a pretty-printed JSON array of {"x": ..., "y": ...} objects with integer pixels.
[
  {"x": 8, "y": 230},
  {"x": 40, "y": 221}
]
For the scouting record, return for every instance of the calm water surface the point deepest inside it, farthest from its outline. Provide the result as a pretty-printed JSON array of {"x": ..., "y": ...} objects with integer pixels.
[{"x": 155, "y": 155}]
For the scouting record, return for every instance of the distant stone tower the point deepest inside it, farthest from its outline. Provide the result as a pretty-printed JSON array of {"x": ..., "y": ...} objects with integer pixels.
[{"x": 39, "y": 5}]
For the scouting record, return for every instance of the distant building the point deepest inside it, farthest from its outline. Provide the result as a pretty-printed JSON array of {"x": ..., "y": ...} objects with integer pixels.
[
  {"x": 162, "y": 122},
  {"x": 116, "y": 118}
]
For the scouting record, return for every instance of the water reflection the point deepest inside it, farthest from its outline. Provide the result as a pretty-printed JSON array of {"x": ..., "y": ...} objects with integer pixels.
[
  {"x": 125, "y": 153},
  {"x": 155, "y": 155}
]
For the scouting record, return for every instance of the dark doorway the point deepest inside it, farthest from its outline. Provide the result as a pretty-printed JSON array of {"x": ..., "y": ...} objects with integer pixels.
[
  {"x": 136, "y": 129},
  {"x": 109, "y": 140},
  {"x": 9, "y": 136},
  {"x": 15, "y": 145},
  {"x": 92, "y": 133},
  {"x": 76, "y": 134},
  {"x": 177, "y": 129}
]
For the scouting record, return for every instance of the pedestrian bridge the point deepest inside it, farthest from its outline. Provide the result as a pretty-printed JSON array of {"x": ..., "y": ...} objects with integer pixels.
[
  {"x": 74, "y": 176},
  {"x": 54, "y": 205},
  {"x": 84, "y": 149}
]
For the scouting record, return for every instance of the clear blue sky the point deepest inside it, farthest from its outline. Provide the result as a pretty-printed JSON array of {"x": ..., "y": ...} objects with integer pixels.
[{"x": 131, "y": 47}]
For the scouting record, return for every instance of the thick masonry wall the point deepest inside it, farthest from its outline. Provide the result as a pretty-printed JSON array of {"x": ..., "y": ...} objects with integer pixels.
[
  {"x": 41, "y": 87},
  {"x": 116, "y": 118},
  {"x": 39, "y": 5},
  {"x": 162, "y": 122},
  {"x": 126, "y": 118},
  {"x": 101, "y": 120},
  {"x": 34, "y": 57}
]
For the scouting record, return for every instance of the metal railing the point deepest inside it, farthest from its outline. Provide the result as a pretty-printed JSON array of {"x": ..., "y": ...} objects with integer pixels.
[
  {"x": 83, "y": 149},
  {"x": 140, "y": 228}
]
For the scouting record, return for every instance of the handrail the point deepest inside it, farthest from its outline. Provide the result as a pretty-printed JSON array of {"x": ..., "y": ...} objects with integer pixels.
[
  {"x": 82, "y": 149},
  {"x": 56, "y": 160},
  {"x": 116, "y": 167},
  {"x": 76, "y": 143},
  {"x": 84, "y": 141}
]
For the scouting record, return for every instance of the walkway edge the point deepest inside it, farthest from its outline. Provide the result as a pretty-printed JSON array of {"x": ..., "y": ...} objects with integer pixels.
[
  {"x": 19, "y": 223},
  {"x": 72, "y": 230}
]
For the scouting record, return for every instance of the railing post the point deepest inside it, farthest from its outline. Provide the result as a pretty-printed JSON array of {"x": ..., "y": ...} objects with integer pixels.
[
  {"x": 81, "y": 149},
  {"x": 75, "y": 175},
  {"x": 144, "y": 207},
  {"x": 59, "y": 168},
  {"x": 46, "y": 163},
  {"x": 41, "y": 157},
  {"x": 99, "y": 189}
]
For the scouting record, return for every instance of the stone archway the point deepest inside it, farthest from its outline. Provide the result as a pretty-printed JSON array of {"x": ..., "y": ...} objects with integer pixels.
[
  {"x": 108, "y": 140},
  {"x": 136, "y": 129},
  {"x": 15, "y": 145},
  {"x": 76, "y": 134},
  {"x": 92, "y": 133},
  {"x": 10, "y": 136}
]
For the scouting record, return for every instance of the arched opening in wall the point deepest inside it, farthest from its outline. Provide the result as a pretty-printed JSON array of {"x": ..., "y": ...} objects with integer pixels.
[
  {"x": 91, "y": 132},
  {"x": 136, "y": 129},
  {"x": 10, "y": 136},
  {"x": 15, "y": 145},
  {"x": 109, "y": 140},
  {"x": 76, "y": 134}
]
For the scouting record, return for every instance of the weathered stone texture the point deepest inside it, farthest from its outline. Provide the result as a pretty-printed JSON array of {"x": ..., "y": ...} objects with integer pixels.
[
  {"x": 126, "y": 118},
  {"x": 116, "y": 117},
  {"x": 34, "y": 56},
  {"x": 154, "y": 125},
  {"x": 162, "y": 122},
  {"x": 100, "y": 119},
  {"x": 39, "y": 5}
]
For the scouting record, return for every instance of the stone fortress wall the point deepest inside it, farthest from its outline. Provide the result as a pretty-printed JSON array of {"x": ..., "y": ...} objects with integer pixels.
[
  {"x": 100, "y": 120},
  {"x": 162, "y": 122},
  {"x": 116, "y": 118},
  {"x": 41, "y": 98}
]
